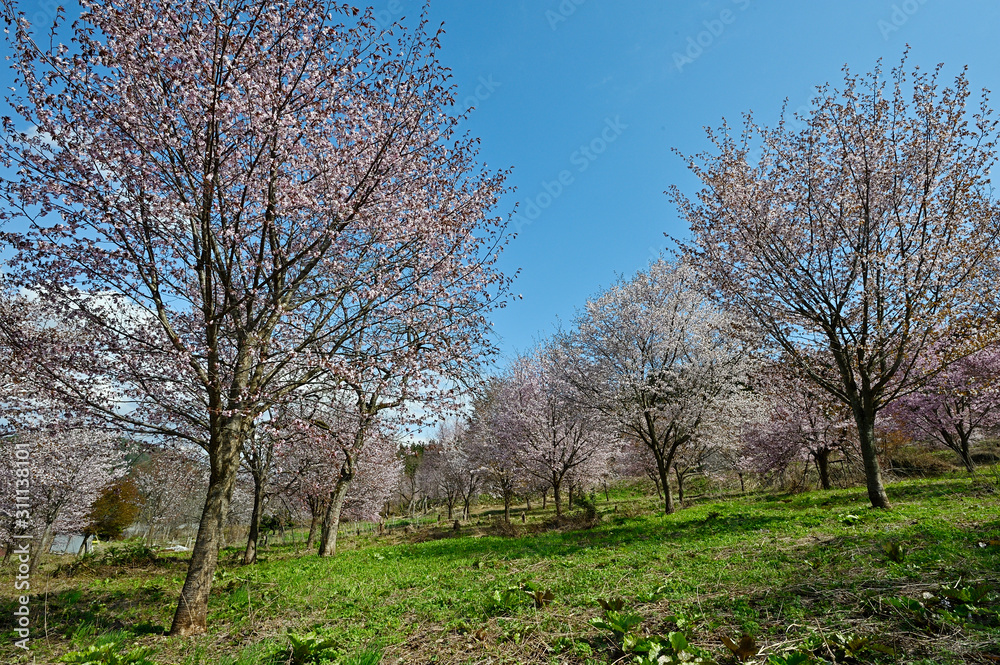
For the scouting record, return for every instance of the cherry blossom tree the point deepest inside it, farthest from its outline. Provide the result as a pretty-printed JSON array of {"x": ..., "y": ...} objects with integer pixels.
[
  {"x": 454, "y": 464},
  {"x": 278, "y": 456},
  {"x": 283, "y": 465},
  {"x": 691, "y": 460},
  {"x": 350, "y": 456},
  {"x": 854, "y": 240},
  {"x": 376, "y": 475},
  {"x": 171, "y": 483},
  {"x": 956, "y": 404},
  {"x": 803, "y": 422},
  {"x": 447, "y": 468},
  {"x": 494, "y": 445},
  {"x": 309, "y": 478},
  {"x": 386, "y": 392},
  {"x": 636, "y": 461},
  {"x": 69, "y": 469},
  {"x": 220, "y": 197},
  {"x": 258, "y": 459},
  {"x": 554, "y": 433},
  {"x": 659, "y": 360},
  {"x": 590, "y": 474},
  {"x": 351, "y": 443}
]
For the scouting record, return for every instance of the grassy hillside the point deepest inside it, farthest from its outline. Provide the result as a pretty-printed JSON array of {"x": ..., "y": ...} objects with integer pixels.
[{"x": 808, "y": 577}]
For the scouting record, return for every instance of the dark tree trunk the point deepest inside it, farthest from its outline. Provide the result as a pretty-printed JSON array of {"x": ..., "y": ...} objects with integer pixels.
[
  {"x": 680, "y": 484},
  {"x": 743, "y": 487},
  {"x": 967, "y": 459},
  {"x": 545, "y": 498},
  {"x": 557, "y": 497},
  {"x": 250, "y": 555},
  {"x": 668, "y": 499},
  {"x": 507, "y": 497},
  {"x": 192, "y": 610},
  {"x": 865, "y": 420},
  {"x": 959, "y": 442},
  {"x": 823, "y": 465},
  {"x": 964, "y": 453},
  {"x": 315, "y": 511},
  {"x": 331, "y": 519},
  {"x": 44, "y": 543}
]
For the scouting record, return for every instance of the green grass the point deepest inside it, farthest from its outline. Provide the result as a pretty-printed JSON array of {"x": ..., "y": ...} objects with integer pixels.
[{"x": 788, "y": 570}]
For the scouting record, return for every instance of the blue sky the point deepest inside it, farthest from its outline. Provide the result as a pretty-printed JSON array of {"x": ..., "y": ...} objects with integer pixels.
[
  {"x": 586, "y": 99},
  {"x": 635, "y": 80}
]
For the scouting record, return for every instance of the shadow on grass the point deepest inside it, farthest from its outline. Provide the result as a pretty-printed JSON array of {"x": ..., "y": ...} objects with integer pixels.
[
  {"x": 617, "y": 532},
  {"x": 857, "y": 497},
  {"x": 104, "y": 611}
]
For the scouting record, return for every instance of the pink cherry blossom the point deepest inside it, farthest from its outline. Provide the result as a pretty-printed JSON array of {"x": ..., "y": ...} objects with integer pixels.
[
  {"x": 855, "y": 241},
  {"x": 956, "y": 405},
  {"x": 660, "y": 361},
  {"x": 228, "y": 202}
]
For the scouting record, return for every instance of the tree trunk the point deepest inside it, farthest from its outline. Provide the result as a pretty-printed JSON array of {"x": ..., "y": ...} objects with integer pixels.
[
  {"x": 557, "y": 497},
  {"x": 43, "y": 548},
  {"x": 668, "y": 499},
  {"x": 250, "y": 555},
  {"x": 315, "y": 510},
  {"x": 743, "y": 487},
  {"x": 331, "y": 520},
  {"x": 869, "y": 456},
  {"x": 545, "y": 498},
  {"x": 192, "y": 609},
  {"x": 959, "y": 442},
  {"x": 506, "y": 507},
  {"x": 965, "y": 454},
  {"x": 680, "y": 484},
  {"x": 823, "y": 465}
]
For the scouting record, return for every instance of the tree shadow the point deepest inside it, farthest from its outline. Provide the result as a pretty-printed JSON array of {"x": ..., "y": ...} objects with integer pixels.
[
  {"x": 617, "y": 532},
  {"x": 103, "y": 611}
]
